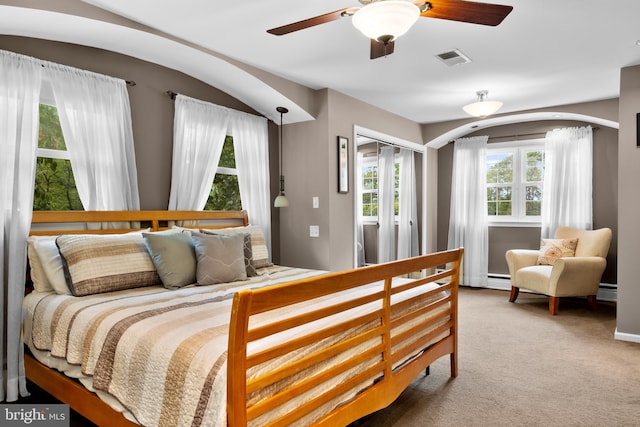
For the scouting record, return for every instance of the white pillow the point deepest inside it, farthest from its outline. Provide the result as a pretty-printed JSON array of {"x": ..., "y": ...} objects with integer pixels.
[
  {"x": 52, "y": 263},
  {"x": 38, "y": 276}
]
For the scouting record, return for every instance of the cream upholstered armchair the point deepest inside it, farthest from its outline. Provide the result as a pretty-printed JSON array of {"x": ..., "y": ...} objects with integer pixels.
[{"x": 569, "y": 265}]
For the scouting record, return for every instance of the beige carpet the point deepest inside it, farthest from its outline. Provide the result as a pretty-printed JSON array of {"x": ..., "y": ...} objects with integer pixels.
[{"x": 520, "y": 366}]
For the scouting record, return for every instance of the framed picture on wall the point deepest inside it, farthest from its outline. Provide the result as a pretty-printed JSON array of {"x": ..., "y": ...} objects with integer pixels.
[{"x": 343, "y": 164}]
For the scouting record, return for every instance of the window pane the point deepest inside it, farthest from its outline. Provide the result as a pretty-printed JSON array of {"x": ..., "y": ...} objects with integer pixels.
[
  {"x": 370, "y": 178},
  {"x": 499, "y": 168},
  {"x": 492, "y": 208},
  {"x": 225, "y": 194},
  {"x": 54, "y": 187},
  {"x": 533, "y": 200},
  {"x": 534, "y": 169},
  {"x": 50, "y": 132},
  {"x": 228, "y": 157},
  {"x": 504, "y": 201},
  {"x": 504, "y": 208}
]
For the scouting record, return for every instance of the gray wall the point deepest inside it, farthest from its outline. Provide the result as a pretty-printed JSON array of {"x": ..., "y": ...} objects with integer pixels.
[
  {"x": 605, "y": 193},
  {"x": 628, "y": 321},
  {"x": 310, "y": 169}
]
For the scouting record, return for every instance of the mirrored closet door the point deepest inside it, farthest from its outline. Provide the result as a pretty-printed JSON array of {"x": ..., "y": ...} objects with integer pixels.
[{"x": 388, "y": 200}]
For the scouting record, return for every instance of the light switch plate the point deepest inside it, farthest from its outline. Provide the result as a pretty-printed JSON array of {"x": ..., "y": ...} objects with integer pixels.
[
  {"x": 314, "y": 231},
  {"x": 316, "y": 202}
]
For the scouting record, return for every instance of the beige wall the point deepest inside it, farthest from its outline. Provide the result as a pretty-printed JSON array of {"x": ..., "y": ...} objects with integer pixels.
[{"x": 628, "y": 320}]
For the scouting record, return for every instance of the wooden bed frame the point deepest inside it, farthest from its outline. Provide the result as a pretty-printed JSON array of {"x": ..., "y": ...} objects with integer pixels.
[{"x": 391, "y": 372}]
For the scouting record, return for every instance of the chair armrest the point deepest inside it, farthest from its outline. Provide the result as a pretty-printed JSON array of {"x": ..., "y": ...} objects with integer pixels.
[
  {"x": 520, "y": 258},
  {"x": 574, "y": 276}
]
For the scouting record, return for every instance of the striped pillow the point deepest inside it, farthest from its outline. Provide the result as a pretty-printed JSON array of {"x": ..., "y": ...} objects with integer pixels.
[{"x": 105, "y": 263}]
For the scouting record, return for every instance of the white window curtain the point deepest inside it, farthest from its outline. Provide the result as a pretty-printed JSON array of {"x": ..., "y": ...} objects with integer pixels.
[
  {"x": 251, "y": 147},
  {"x": 95, "y": 118},
  {"x": 567, "y": 189},
  {"x": 408, "y": 225},
  {"x": 386, "y": 200},
  {"x": 468, "y": 223},
  {"x": 199, "y": 130},
  {"x": 20, "y": 80}
]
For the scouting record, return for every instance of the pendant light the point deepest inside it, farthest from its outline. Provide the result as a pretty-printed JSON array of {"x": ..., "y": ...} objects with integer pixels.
[{"x": 281, "y": 201}]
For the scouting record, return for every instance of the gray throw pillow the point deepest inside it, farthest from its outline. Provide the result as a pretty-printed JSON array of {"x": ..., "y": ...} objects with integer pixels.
[
  {"x": 220, "y": 258},
  {"x": 174, "y": 257},
  {"x": 248, "y": 252}
]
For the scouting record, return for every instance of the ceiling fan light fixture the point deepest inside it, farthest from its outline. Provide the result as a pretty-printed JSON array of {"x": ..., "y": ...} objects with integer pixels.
[
  {"x": 482, "y": 107},
  {"x": 386, "y": 20}
]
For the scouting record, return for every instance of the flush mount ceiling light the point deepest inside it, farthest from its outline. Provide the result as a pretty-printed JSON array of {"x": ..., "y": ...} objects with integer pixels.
[
  {"x": 386, "y": 20},
  {"x": 482, "y": 107}
]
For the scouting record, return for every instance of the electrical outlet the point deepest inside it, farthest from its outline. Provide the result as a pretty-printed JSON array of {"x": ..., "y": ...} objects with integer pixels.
[{"x": 314, "y": 231}]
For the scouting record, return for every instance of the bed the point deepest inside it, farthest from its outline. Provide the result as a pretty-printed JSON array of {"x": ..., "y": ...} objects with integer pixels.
[{"x": 286, "y": 346}]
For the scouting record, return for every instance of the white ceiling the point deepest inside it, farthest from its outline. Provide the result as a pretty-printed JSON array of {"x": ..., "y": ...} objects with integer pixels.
[{"x": 545, "y": 53}]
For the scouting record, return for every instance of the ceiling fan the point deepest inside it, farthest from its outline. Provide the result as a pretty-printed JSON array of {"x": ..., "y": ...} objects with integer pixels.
[{"x": 401, "y": 14}]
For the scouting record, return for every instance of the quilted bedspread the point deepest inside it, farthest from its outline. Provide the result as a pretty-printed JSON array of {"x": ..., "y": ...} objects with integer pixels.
[
  {"x": 160, "y": 353},
  {"x": 157, "y": 351}
]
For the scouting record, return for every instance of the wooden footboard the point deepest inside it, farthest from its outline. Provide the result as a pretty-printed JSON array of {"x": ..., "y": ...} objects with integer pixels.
[{"x": 391, "y": 333}]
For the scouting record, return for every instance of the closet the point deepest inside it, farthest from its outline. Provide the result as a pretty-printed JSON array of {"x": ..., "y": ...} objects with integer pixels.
[{"x": 388, "y": 198}]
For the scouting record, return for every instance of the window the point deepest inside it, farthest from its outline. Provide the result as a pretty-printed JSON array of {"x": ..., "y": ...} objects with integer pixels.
[
  {"x": 369, "y": 182},
  {"x": 225, "y": 192},
  {"x": 514, "y": 181},
  {"x": 55, "y": 187}
]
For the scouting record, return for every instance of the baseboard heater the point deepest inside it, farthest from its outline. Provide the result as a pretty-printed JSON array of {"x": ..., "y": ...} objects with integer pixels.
[{"x": 502, "y": 282}]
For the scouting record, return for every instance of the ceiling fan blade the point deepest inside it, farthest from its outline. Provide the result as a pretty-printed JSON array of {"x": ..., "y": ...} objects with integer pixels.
[
  {"x": 380, "y": 49},
  {"x": 311, "y": 22},
  {"x": 467, "y": 11}
]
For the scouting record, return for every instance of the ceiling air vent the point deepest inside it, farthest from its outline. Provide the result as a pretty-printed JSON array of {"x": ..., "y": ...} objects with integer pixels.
[{"x": 453, "y": 57}]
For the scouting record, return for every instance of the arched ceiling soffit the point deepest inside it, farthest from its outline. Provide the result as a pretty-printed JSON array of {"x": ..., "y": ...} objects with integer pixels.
[
  {"x": 472, "y": 127},
  {"x": 54, "y": 26}
]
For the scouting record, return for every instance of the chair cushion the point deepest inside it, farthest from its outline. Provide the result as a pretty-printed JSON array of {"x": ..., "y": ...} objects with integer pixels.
[
  {"x": 534, "y": 278},
  {"x": 552, "y": 249}
]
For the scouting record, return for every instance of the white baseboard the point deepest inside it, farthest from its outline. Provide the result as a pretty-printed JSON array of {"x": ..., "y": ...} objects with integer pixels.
[
  {"x": 606, "y": 292},
  {"x": 623, "y": 336}
]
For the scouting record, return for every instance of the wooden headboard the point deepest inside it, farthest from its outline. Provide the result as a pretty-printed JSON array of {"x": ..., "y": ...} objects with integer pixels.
[{"x": 67, "y": 222}]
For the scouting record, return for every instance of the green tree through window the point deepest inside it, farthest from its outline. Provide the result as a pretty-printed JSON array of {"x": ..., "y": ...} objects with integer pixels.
[
  {"x": 54, "y": 187},
  {"x": 514, "y": 182},
  {"x": 225, "y": 193},
  {"x": 369, "y": 176}
]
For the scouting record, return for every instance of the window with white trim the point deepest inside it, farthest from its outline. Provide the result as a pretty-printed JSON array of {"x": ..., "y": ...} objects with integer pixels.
[
  {"x": 54, "y": 187},
  {"x": 225, "y": 192},
  {"x": 515, "y": 174}
]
